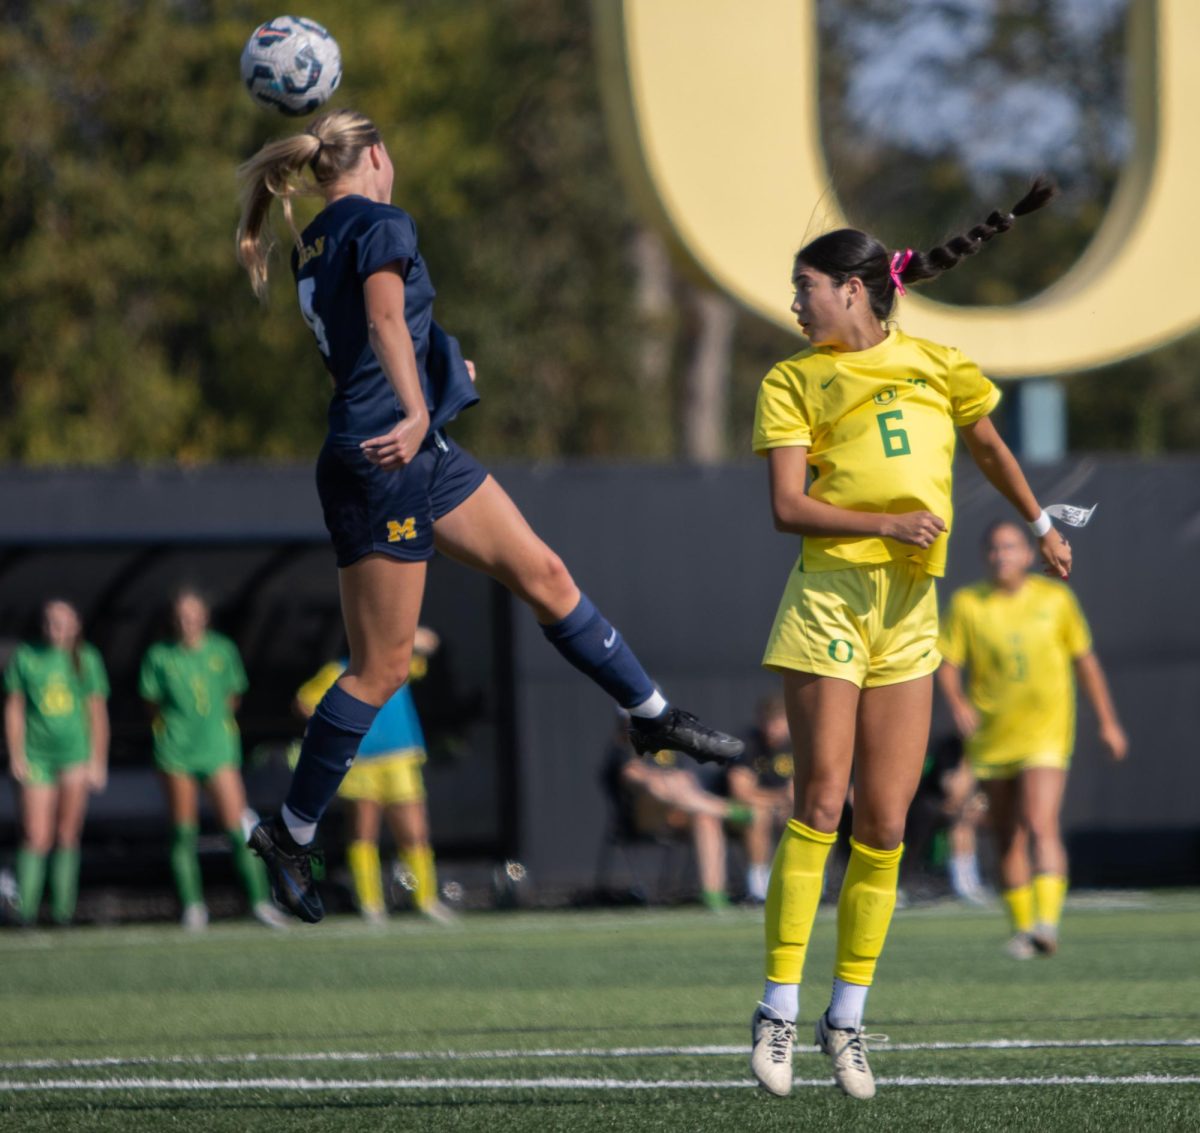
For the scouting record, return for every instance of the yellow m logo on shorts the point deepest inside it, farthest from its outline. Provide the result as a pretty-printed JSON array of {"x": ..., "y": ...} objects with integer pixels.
[{"x": 398, "y": 531}]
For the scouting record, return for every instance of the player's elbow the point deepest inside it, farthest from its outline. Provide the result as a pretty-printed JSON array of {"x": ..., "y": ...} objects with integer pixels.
[{"x": 786, "y": 511}]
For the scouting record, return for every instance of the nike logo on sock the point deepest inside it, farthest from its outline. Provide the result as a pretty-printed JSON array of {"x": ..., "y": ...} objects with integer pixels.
[{"x": 610, "y": 640}]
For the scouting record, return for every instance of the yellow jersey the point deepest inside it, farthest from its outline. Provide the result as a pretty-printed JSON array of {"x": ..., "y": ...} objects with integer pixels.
[
  {"x": 879, "y": 427},
  {"x": 1018, "y": 649}
]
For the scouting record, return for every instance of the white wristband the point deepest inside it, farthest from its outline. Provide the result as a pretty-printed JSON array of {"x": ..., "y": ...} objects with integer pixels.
[{"x": 1041, "y": 525}]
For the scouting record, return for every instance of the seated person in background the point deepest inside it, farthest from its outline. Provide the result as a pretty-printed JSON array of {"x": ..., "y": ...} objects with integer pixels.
[
  {"x": 385, "y": 779},
  {"x": 761, "y": 778},
  {"x": 947, "y": 799},
  {"x": 663, "y": 795}
]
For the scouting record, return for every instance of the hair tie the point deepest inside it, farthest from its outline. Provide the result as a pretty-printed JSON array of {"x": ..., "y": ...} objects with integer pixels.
[{"x": 897, "y": 266}]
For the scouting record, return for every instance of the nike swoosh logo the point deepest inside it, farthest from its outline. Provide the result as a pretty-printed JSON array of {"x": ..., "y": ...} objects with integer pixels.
[
  {"x": 610, "y": 639},
  {"x": 826, "y": 385}
]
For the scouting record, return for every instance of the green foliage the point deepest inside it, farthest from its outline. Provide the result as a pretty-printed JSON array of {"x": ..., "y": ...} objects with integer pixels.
[{"x": 130, "y": 333}]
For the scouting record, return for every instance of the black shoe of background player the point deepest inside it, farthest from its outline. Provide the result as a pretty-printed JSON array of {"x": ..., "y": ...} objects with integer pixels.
[
  {"x": 291, "y": 867},
  {"x": 676, "y": 730}
]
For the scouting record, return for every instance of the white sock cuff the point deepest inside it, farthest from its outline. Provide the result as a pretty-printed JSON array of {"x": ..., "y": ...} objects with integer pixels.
[
  {"x": 782, "y": 1000},
  {"x": 847, "y": 1005},
  {"x": 654, "y": 705},
  {"x": 302, "y": 832}
]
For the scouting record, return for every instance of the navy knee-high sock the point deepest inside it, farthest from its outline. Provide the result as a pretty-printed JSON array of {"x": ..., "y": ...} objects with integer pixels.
[
  {"x": 586, "y": 639},
  {"x": 330, "y": 745}
]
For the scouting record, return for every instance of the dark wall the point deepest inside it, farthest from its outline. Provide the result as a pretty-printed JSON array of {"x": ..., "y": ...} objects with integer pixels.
[
  {"x": 682, "y": 559},
  {"x": 685, "y": 561}
]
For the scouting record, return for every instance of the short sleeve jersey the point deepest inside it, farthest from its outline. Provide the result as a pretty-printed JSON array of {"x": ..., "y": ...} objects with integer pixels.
[
  {"x": 1018, "y": 649},
  {"x": 56, "y": 695},
  {"x": 191, "y": 689},
  {"x": 879, "y": 425},
  {"x": 397, "y": 728},
  {"x": 349, "y": 240}
]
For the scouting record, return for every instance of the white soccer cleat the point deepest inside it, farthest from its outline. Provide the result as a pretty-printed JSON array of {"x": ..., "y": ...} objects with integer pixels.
[
  {"x": 771, "y": 1053},
  {"x": 195, "y": 918},
  {"x": 440, "y": 913},
  {"x": 848, "y": 1049},
  {"x": 1020, "y": 947},
  {"x": 266, "y": 914},
  {"x": 1045, "y": 939}
]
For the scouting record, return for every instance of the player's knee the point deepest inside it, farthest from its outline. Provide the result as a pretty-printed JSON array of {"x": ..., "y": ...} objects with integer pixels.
[
  {"x": 823, "y": 810},
  {"x": 388, "y": 671},
  {"x": 548, "y": 579},
  {"x": 39, "y": 842}
]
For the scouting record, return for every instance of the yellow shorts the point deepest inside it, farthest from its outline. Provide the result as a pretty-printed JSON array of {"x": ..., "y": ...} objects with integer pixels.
[
  {"x": 871, "y": 625},
  {"x": 994, "y": 767},
  {"x": 386, "y": 779}
]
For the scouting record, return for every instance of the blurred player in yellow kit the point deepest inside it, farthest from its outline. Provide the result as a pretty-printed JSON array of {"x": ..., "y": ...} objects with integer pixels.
[
  {"x": 386, "y": 780},
  {"x": 1022, "y": 639}
]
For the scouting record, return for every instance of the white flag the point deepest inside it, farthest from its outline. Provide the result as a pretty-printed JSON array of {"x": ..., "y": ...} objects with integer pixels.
[{"x": 1071, "y": 515}]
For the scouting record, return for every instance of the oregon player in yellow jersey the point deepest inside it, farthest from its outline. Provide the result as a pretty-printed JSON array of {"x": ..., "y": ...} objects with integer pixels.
[
  {"x": 1022, "y": 638},
  {"x": 859, "y": 431}
]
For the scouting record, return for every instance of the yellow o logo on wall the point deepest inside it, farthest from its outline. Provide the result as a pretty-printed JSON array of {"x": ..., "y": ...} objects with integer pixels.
[{"x": 713, "y": 110}]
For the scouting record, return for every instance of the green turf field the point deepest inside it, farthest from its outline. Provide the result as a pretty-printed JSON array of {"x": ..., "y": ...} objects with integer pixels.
[{"x": 590, "y": 1021}]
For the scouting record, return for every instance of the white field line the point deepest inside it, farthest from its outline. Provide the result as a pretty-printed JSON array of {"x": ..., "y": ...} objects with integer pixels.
[
  {"x": 363, "y": 1056},
  {"x": 343, "y": 1084}
]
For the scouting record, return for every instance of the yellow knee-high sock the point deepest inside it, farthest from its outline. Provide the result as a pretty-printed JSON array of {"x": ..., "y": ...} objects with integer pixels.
[
  {"x": 1020, "y": 907},
  {"x": 865, "y": 909},
  {"x": 793, "y": 894},
  {"x": 364, "y": 868},
  {"x": 1049, "y": 892},
  {"x": 419, "y": 860}
]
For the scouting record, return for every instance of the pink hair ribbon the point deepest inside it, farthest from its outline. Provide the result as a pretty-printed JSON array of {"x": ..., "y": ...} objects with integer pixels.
[{"x": 899, "y": 263}]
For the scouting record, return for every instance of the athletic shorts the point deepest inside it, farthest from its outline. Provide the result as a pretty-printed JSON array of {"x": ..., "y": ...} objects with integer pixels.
[
  {"x": 991, "y": 767},
  {"x": 386, "y": 779},
  {"x": 871, "y": 625},
  {"x": 202, "y": 764},
  {"x": 44, "y": 770},
  {"x": 368, "y": 508}
]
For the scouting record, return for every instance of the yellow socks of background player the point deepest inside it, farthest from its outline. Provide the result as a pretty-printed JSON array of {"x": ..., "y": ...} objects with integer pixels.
[
  {"x": 368, "y": 884},
  {"x": 865, "y": 911},
  {"x": 1019, "y": 902},
  {"x": 419, "y": 862},
  {"x": 1049, "y": 892},
  {"x": 793, "y": 895}
]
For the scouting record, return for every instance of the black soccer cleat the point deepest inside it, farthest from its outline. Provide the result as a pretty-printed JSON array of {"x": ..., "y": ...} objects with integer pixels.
[
  {"x": 291, "y": 868},
  {"x": 676, "y": 730}
]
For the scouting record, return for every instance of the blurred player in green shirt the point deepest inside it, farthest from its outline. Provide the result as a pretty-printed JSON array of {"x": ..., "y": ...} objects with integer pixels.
[
  {"x": 194, "y": 685},
  {"x": 56, "y": 724}
]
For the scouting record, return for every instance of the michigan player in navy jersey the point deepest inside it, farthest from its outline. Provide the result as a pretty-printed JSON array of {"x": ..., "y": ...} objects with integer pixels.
[{"x": 393, "y": 486}]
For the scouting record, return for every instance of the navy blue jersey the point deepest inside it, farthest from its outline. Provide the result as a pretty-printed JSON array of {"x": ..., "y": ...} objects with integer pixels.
[{"x": 348, "y": 241}]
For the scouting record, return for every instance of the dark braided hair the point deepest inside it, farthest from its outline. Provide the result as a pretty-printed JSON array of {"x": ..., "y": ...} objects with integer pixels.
[{"x": 848, "y": 252}]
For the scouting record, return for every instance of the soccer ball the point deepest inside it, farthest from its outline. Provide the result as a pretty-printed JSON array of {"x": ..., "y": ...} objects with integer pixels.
[{"x": 292, "y": 64}]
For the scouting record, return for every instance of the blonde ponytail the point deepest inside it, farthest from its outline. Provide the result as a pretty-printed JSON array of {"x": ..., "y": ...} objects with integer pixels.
[{"x": 330, "y": 147}]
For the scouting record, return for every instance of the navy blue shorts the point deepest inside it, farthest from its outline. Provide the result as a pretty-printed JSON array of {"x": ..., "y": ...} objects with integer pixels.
[{"x": 368, "y": 508}]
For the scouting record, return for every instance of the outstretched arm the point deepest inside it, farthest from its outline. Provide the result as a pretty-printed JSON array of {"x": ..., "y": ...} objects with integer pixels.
[
  {"x": 997, "y": 463},
  {"x": 1095, "y": 688}
]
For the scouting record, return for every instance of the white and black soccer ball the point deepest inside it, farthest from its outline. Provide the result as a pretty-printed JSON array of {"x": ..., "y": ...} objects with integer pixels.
[{"x": 292, "y": 64}]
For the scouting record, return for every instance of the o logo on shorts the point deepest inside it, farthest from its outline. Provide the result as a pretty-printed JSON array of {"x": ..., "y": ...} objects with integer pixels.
[{"x": 841, "y": 650}]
